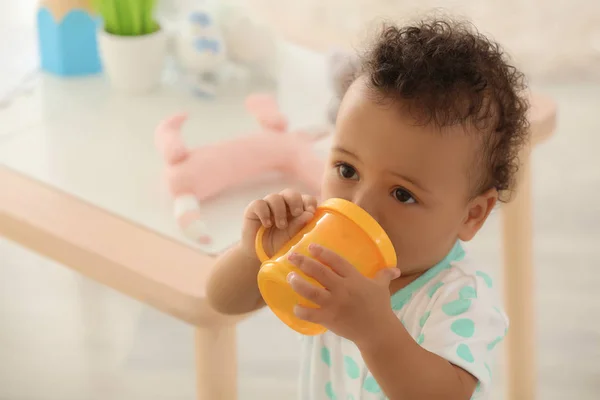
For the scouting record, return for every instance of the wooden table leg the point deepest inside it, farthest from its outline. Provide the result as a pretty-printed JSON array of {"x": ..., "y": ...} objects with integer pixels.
[
  {"x": 216, "y": 362},
  {"x": 520, "y": 372}
]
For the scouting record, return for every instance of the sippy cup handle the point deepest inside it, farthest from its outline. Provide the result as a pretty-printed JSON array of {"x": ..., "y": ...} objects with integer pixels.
[{"x": 258, "y": 245}]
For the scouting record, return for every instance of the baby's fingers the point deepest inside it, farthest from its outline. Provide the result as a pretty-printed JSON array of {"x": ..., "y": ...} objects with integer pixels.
[
  {"x": 294, "y": 202},
  {"x": 310, "y": 202},
  {"x": 260, "y": 210},
  {"x": 316, "y": 294},
  {"x": 278, "y": 209},
  {"x": 298, "y": 223}
]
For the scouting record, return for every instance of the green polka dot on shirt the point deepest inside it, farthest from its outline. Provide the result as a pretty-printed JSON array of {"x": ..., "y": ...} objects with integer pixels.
[
  {"x": 464, "y": 352},
  {"x": 434, "y": 289},
  {"x": 456, "y": 307},
  {"x": 468, "y": 292},
  {"x": 486, "y": 278},
  {"x": 464, "y": 327},
  {"x": 421, "y": 339},
  {"x": 371, "y": 385},
  {"x": 329, "y": 391},
  {"x": 326, "y": 356},
  {"x": 351, "y": 367},
  {"x": 494, "y": 343},
  {"x": 488, "y": 368},
  {"x": 424, "y": 318},
  {"x": 397, "y": 305}
]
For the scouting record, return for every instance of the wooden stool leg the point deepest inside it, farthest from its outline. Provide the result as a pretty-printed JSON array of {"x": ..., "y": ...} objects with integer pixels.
[
  {"x": 520, "y": 372},
  {"x": 216, "y": 363}
]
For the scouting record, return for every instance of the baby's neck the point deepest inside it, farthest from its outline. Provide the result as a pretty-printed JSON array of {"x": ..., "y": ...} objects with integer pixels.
[{"x": 403, "y": 281}]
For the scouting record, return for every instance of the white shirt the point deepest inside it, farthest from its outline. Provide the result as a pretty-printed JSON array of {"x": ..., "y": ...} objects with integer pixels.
[{"x": 451, "y": 310}]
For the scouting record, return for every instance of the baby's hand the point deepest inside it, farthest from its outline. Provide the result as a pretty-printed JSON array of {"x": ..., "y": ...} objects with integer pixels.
[
  {"x": 285, "y": 213},
  {"x": 349, "y": 304}
]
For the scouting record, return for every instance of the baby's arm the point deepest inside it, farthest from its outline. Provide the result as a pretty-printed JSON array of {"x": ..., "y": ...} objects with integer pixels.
[
  {"x": 405, "y": 370},
  {"x": 232, "y": 287}
]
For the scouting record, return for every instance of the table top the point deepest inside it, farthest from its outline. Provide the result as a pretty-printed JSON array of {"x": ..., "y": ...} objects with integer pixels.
[
  {"x": 86, "y": 140},
  {"x": 79, "y": 170}
]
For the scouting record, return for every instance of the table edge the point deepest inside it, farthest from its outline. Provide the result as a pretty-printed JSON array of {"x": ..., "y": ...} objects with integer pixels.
[{"x": 48, "y": 222}]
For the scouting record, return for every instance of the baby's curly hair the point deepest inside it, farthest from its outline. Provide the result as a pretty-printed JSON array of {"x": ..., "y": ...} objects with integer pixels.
[{"x": 448, "y": 74}]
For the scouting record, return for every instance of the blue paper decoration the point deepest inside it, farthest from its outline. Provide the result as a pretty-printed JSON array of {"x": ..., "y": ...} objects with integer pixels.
[{"x": 69, "y": 47}]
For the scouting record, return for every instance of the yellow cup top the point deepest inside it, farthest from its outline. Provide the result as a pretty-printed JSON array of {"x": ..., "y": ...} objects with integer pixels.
[{"x": 367, "y": 223}]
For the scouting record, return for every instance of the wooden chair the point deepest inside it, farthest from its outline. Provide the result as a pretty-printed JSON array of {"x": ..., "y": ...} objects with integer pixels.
[{"x": 517, "y": 217}]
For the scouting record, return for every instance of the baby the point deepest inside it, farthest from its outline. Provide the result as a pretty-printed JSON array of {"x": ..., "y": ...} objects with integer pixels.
[{"x": 427, "y": 140}]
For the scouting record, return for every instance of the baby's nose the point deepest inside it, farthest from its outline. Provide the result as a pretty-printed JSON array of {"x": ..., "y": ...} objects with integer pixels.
[{"x": 368, "y": 204}]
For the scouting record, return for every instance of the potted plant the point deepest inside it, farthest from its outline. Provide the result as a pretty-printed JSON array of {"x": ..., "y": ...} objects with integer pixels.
[{"x": 132, "y": 44}]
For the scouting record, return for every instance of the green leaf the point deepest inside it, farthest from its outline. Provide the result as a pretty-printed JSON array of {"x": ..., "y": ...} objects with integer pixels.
[
  {"x": 150, "y": 25},
  {"x": 112, "y": 16},
  {"x": 127, "y": 17},
  {"x": 137, "y": 17}
]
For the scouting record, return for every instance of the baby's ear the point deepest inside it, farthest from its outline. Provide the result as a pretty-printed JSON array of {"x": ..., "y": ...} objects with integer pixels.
[{"x": 477, "y": 213}]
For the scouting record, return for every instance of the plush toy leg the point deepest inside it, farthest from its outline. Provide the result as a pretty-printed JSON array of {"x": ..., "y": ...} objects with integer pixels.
[
  {"x": 265, "y": 109},
  {"x": 187, "y": 213},
  {"x": 168, "y": 139}
]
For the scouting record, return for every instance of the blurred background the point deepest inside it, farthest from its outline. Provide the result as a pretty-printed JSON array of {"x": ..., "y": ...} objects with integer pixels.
[{"x": 63, "y": 337}]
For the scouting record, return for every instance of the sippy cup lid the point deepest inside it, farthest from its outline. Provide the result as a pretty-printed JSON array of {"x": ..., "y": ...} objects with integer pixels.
[{"x": 367, "y": 223}]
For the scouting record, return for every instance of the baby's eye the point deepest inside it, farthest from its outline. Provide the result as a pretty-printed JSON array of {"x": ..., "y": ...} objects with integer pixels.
[
  {"x": 347, "y": 171},
  {"x": 403, "y": 196}
]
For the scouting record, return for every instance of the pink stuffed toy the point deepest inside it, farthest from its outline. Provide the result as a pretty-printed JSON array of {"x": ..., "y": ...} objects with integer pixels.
[{"x": 195, "y": 175}]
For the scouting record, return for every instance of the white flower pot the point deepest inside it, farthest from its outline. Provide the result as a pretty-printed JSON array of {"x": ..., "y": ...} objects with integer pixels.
[{"x": 133, "y": 64}]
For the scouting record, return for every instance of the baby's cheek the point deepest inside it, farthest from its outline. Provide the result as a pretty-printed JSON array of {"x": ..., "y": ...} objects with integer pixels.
[
  {"x": 409, "y": 244},
  {"x": 332, "y": 187}
]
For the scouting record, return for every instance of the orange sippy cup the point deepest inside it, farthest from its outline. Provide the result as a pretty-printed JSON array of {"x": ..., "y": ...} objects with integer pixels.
[{"x": 338, "y": 225}]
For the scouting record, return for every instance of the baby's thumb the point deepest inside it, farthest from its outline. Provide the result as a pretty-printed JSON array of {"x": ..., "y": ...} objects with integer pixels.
[{"x": 385, "y": 276}]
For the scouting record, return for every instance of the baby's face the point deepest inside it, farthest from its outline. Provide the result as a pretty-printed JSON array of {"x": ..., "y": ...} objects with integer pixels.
[{"x": 413, "y": 179}]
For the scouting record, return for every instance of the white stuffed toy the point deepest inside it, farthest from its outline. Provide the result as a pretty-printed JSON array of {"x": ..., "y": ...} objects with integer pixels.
[
  {"x": 200, "y": 48},
  {"x": 250, "y": 43},
  {"x": 343, "y": 68}
]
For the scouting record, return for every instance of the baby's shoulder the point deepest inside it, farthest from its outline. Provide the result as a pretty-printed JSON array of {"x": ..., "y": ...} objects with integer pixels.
[
  {"x": 457, "y": 314},
  {"x": 465, "y": 279},
  {"x": 463, "y": 287}
]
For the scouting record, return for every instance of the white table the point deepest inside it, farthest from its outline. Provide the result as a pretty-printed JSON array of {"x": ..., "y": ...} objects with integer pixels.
[{"x": 81, "y": 183}]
